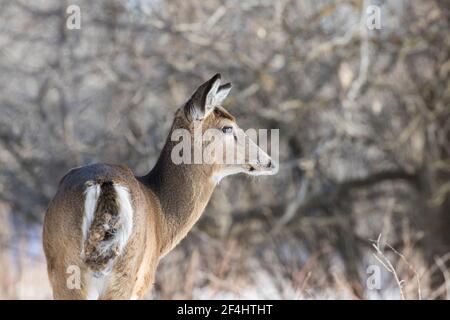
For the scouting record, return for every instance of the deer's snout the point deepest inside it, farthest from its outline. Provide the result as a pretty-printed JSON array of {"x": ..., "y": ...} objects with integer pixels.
[{"x": 263, "y": 166}]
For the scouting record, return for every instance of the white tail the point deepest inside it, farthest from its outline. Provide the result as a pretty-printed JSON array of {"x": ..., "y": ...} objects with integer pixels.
[{"x": 114, "y": 227}]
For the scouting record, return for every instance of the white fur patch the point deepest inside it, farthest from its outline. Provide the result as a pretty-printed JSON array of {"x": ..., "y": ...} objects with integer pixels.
[
  {"x": 217, "y": 177},
  {"x": 96, "y": 286},
  {"x": 92, "y": 193},
  {"x": 126, "y": 216}
]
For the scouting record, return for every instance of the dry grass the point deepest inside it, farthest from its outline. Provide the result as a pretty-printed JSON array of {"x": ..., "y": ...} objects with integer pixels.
[
  {"x": 207, "y": 268},
  {"x": 230, "y": 275}
]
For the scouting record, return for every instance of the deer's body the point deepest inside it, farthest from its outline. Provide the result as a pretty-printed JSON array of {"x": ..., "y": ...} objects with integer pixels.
[{"x": 111, "y": 228}]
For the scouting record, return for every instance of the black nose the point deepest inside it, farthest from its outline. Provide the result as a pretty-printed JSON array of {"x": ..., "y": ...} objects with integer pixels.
[{"x": 270, "y": 164}]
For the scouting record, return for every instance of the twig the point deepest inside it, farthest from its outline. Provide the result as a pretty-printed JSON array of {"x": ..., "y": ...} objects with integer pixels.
[
  {"x": 388, "y": 265},
  {"x": 419, "y": 290},
  {"x": 441, "y": 265}
]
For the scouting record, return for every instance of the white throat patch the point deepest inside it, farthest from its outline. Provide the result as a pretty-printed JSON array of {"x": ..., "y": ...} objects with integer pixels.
[{"x": 217, "y": 177}]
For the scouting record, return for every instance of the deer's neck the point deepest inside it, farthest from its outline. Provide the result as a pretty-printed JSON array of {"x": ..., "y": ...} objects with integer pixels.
[{"x": 183, "y": 192}]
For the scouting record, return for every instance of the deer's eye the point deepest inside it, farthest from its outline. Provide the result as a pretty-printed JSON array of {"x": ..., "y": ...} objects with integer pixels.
[{"x": 227, "y": 129}]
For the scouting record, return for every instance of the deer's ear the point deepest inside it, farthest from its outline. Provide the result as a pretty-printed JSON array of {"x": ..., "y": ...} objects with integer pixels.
[
  {"x": 222, "y": 93},
  {"x": 203, "y": 101}
]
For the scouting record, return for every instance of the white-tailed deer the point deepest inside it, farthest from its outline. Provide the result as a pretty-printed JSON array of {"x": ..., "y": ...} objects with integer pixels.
[{"x": 115, "y": 227}]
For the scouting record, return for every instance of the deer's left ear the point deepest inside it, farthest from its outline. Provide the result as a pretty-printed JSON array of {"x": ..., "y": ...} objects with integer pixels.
[
  {"x": 221, "y": 94},
  {"x": 203, "y": 100}
]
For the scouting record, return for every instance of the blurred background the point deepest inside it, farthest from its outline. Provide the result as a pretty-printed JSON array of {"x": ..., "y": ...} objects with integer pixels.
[{"x": 363, "y": 189}]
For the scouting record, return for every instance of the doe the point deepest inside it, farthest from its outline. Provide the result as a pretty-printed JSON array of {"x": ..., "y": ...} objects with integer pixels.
[{"x": 115, "y": 227}]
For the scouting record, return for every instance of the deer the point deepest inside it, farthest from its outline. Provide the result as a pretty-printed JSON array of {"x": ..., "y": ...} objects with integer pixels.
[{"x": 114, "y": 227}]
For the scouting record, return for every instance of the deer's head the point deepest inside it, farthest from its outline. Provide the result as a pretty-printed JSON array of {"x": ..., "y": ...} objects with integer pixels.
[{"x": 215, "y": 137}]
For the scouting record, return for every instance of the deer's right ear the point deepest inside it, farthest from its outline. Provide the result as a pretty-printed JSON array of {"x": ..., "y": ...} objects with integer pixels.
[{"x": 202, "y": 101}]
